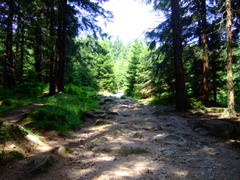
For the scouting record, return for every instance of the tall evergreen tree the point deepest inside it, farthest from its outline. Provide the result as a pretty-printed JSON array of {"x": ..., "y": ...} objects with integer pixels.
[
  {"x": 136, "y": 56},
  {"x": 8, "y": 75},
  {"x": 61, "y": 43},
  {"x": 181, "y": 102},
  {"x": 204, "y": 44},
  {"x": 230, "y": 87}
]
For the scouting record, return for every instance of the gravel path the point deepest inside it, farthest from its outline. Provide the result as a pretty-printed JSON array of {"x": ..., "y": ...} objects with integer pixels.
[{"x": 129, "y": 140}]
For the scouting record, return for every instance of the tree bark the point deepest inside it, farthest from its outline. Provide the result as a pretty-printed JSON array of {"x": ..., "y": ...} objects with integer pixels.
[
  {"x": 8, "y": 76},
  {"x": 19, "y": 52},
  {"x": 61, "y": 44},
  {"x": 21, "y": 60},
  {"x": 214, "y": 80},
  {"x": 204, "y": 43},
  {"x": 38, "y": 51},
  {"x": 52, "y": 69},
  {"x": 177, "y": 52},
  {"x": 230, "y": 87}
]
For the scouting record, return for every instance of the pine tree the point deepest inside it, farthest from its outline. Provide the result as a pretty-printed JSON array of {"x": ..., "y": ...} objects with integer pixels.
[
  {"x": 120, "y": 53},
  {"x": 8, "y": 75},
  {"x": 230, "y": 87},
  {"x": 104, "y": 68},
  {"x": 136, "y": 56}
]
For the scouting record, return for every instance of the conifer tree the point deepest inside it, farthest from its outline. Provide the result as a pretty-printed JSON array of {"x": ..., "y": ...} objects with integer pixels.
[
  {"x": 135, "y": 58},
  {"x": 230, "y": 87}
]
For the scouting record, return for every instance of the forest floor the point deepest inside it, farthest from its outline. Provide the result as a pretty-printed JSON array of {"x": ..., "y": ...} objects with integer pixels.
[{"x": 125, "y": 139}]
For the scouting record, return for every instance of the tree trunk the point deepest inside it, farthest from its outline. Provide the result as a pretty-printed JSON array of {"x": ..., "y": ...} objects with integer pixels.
[
  {"x": 204, "y": 43},
  {"x": 231, "y": 104},
  {"x": 21, "y": 60},
  {"x": 38, "y": 51},
  {"x": 61, "y": 44},
  {"x": 19, "y": 44},
  {"x": 214, "y": 80},
  {"x": 8, "y": 76},
  {"x": 177, "y": 52},
  {"x": 52, "y": 70}
]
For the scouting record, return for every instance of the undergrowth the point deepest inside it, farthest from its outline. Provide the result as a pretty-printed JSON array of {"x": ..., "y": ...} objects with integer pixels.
[
  {"x": 61, "y": 112},
  {"x": 23, "y": 94}
]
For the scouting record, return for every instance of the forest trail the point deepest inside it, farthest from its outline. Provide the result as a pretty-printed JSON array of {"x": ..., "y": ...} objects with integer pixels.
[
  {"x": 18, "y": 114},
  {"x": 125, "y": 139}
]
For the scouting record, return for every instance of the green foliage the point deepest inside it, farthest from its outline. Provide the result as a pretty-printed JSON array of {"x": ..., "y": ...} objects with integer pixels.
[
  {"x": 61, "y": 112},
  {"x": 196, "y": 104},
  {"x": 93, "y": 65},
  {"x": 64, "y": 111},
  {"x": 134, "y": 70},
  {"x": 104, "y": 69},
  {"x": 24, "y": 94},
  {"x": 166, "y": 98},
  {"x": 31, "y": 88},
  {"x": 120, "y": 54}
]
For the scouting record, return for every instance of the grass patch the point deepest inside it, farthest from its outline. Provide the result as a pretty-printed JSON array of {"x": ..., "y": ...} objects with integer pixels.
[
  {"x": 26, "y": 93},
  {"x": 64, "y": 112},
  {"x": 61, "y": 112}
]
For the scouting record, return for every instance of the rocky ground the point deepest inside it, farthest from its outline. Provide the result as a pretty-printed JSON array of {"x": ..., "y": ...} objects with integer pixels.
[{"x": 131, "y": 140}]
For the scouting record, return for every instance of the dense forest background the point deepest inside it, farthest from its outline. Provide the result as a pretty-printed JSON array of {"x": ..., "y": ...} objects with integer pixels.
[{"x": 189, "y": 60}]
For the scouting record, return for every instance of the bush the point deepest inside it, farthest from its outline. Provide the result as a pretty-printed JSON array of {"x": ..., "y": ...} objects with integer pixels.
[
  {"x": 165, "y": 98},
  {"x": 83, "y": 92},
  {"x": 196, "y": 104},
  {"x": 49, "y": 118},
  {"x": 32, "y": 88}
]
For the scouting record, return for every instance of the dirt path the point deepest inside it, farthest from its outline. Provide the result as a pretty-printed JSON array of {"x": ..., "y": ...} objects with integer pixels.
[
  {"x": 131, "y": 141},
  {"x": 18, "y": 114}
]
